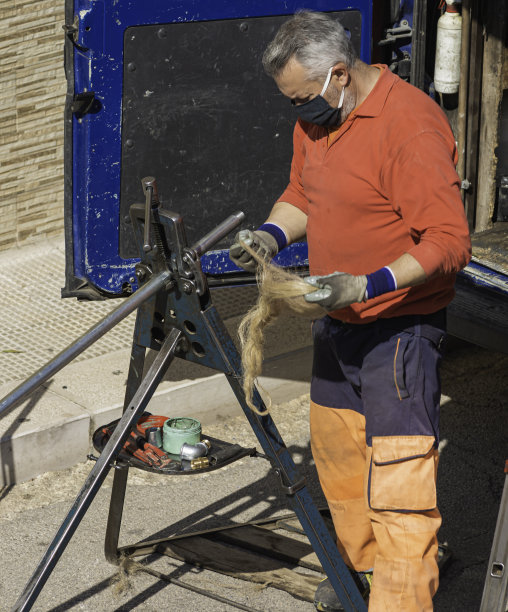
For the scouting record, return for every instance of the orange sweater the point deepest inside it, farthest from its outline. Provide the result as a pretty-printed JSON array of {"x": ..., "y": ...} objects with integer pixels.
[{"x": 385, "y": 185}]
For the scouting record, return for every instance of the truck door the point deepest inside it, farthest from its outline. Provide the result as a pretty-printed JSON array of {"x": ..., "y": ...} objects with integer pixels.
[{"x": 176, "y": 91}]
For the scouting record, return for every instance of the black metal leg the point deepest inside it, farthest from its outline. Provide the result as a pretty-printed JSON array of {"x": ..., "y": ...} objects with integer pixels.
[
  {"x": 115, "y": 515},
  {"x": 120, "y": 477},
  {"x": 99, "y": 471}
]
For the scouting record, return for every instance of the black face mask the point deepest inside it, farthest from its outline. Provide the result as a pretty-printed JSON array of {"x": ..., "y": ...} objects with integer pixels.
[{"x": 318, "y": 111}]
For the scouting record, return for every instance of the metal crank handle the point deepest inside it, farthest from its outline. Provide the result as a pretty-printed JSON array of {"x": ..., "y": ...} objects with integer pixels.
[{"x": 217, "y": 234}]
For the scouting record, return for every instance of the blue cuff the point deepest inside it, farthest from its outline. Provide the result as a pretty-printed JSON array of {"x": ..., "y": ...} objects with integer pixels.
[
  {"x": 277, "y": 232},
  {"x": 382, "y": 281}
]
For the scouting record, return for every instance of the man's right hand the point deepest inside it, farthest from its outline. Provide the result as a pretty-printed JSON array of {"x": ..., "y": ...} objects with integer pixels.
[{"x": 263, "y": 243}]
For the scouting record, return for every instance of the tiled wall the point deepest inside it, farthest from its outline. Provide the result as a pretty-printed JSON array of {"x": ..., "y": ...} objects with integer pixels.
[{"x": 32, "y": 96}]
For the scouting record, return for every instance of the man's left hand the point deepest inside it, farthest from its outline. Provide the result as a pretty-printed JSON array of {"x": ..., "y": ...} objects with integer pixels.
[{"x": 337, "y": 290}]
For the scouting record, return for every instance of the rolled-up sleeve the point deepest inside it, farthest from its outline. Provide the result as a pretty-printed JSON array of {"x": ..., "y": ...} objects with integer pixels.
[
  {"x": 424, "y": 189},
  {"x": 294, "y": 193}
]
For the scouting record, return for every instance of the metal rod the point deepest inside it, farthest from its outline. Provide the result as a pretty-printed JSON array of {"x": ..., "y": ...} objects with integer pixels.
[
  {"x": 99, "y": 472},
  {"x": 463, "y": 90},
  {"x": 134, "y": 378},
  {"x": 474, "y": 80},
  {"x": 150, "y": 546},
  {"x": 147, "y": 245},
  {"x": 67, "y": 355},
  {"x": 190, "y": 587},
  {"x": 149, "y": 186},
  {"x": 222, "y": 230}
]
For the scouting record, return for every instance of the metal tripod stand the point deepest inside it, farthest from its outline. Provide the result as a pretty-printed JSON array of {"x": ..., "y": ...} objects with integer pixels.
[{"x": 176, "y": 317}]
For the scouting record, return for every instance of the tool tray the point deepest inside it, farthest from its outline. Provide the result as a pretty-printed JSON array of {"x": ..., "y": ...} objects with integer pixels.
[{"x": 221, "y": 453}]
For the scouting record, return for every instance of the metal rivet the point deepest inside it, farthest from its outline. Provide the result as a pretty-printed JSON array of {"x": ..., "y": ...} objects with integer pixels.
[
  {"x": 129, "y": 143},
  {"x": 244, "y": 27},
  {"x": 131, "y": 66},
  {"x": 162, "y": 33}
]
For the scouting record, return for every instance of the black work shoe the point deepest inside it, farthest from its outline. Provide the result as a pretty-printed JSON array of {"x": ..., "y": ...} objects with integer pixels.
[{"x": 326, "y": 600}]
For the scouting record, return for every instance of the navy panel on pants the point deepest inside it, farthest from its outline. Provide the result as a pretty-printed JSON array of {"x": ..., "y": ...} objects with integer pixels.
[{"x": 387, "y": 370}]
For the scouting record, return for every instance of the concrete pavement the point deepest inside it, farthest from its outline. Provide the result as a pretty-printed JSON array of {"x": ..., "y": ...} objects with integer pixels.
[
  {"x": 473, "y": 447},
  {"x": 473, "y": 451}
]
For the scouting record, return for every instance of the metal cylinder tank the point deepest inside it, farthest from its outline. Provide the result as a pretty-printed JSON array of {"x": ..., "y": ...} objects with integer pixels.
[{"x": 447, "y": 67}]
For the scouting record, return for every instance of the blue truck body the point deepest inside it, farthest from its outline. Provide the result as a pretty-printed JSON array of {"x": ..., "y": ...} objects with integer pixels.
[{"x": 102, "y": 38}]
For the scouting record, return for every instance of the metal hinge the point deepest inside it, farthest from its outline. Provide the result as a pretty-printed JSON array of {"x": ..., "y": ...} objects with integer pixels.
[
  {"x": 85, "y": 103},
  {"x": 393, "y": 34},
  {"x": 72, "y": 33}
]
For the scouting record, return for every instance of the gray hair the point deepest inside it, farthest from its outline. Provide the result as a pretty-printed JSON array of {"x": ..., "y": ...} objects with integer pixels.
[{"x": 315, "y": 40}]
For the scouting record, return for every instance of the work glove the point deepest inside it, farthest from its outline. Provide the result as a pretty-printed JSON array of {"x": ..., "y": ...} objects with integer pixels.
[
  {"x": 337, "y": 290},
  {"x": 263, "y": 243}
]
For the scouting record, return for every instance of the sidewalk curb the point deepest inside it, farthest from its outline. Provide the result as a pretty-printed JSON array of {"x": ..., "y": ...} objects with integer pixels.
[{"x": 52, "y": 430}]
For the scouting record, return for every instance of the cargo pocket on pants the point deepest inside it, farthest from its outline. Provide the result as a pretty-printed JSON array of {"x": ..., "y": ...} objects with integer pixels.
[{"x": 403, "y": 473}]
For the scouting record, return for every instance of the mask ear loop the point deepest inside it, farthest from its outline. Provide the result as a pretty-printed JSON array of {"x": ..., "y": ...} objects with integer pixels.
[
  {"x": 341, "y": 99},
  {"x": 325, "y": 87},
  {"x": 327, "y": 82}
]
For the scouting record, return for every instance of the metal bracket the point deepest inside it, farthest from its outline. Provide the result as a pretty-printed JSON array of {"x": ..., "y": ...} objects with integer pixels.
[
  {"x": 290, "y": 489},
  {"x": 193, "y": 270},
  {"x": 115, "y": 466}
]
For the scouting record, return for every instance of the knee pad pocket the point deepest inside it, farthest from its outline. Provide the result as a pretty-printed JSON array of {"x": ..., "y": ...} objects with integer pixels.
[{"x": 403, "y": 473}]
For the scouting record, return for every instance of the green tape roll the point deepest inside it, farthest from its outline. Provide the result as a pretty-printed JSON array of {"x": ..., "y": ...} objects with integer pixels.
[{"x": 178, "y": 431}]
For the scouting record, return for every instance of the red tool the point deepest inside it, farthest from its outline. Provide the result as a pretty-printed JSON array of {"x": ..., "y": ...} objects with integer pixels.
[{"x": 137, "y": 445}]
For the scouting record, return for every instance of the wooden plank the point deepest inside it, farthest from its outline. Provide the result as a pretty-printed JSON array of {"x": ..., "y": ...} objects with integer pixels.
[
  {"x": 491, "y": 247},
  {"x": 241, "y": 564},
  {"x": 490, "y": 112},
  {"x": 271, "y": 544}
]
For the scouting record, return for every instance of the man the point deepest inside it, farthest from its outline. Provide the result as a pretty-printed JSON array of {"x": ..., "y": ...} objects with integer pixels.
[{"x": 373, "y": 187}]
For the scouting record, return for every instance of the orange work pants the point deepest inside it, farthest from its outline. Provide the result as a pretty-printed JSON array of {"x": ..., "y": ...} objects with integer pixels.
[{"x": 364, "y": 487}]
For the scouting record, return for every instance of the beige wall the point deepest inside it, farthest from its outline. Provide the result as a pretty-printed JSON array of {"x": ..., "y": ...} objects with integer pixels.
[{"x": 32, "y": 96}]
